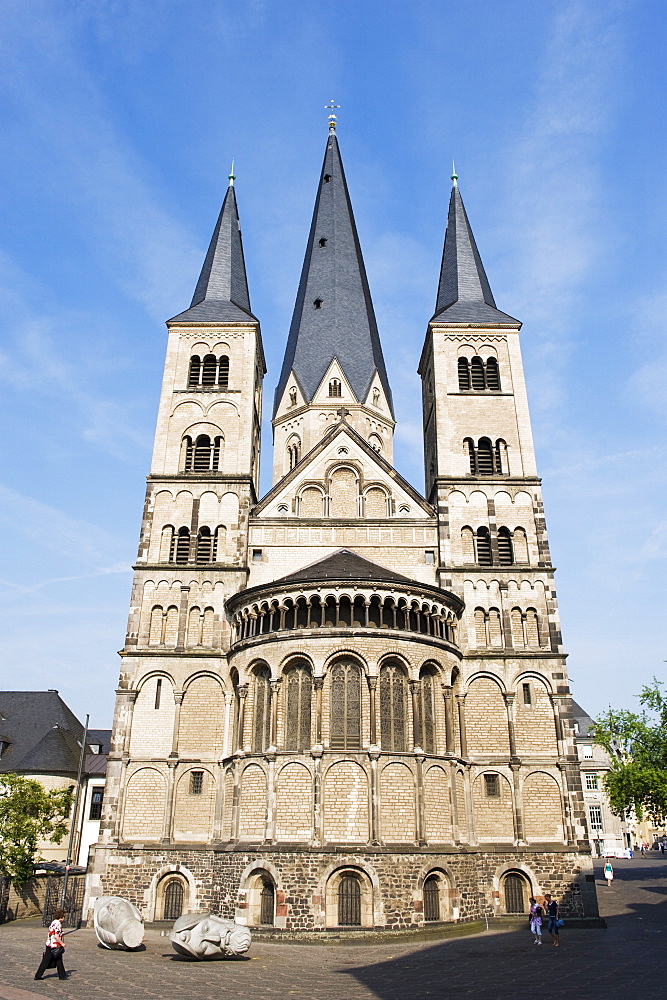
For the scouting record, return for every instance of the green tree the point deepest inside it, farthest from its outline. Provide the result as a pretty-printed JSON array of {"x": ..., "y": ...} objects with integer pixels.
[
  {"x": 637, "y": 745},
  {"x": 28, "y": 813}
]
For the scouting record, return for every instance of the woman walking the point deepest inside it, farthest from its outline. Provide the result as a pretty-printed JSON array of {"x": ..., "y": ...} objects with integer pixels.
[
  {"x": 536, "y": 920},
  {"x": 55, "y": 948},
  {"x": 609, "y": 874}
]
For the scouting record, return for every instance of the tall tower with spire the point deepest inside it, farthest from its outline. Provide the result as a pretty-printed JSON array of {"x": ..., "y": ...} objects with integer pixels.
[{"x": 342, "y": 704}]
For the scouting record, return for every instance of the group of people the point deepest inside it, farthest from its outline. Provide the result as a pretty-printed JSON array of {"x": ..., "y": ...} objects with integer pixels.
[{"x": 552, "y": 912}]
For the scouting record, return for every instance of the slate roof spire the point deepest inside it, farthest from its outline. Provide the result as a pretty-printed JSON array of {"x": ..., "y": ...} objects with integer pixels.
[
  {"x": 333, "y": 315},
  {"x": 221, "y": 294},
  {"x": 464, "y": 293}
]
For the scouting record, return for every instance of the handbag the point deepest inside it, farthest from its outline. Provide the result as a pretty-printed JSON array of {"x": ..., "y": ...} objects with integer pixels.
[
  {"x": 560, "y": 923},
  {"x": 55, "y": 954}
]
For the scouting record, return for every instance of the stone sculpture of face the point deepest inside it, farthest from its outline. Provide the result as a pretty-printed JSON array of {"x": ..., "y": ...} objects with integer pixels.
[
  {"x": 118, "y": 923},
  {"x": 205, "y": 936}
]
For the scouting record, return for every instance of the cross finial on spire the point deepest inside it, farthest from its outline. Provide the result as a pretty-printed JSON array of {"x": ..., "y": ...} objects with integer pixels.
[
  {"x": 455, "y": 176},
  {"x": 332, "y": 118},
  {"x": 232, "y": 176}
]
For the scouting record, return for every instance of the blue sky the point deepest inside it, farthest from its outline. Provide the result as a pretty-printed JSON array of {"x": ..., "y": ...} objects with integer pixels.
[{"x": 118, "y": 121}]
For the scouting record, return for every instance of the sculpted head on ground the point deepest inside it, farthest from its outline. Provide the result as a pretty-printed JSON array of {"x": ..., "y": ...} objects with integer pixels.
[
  {"x": 203, "y": 935},
  {"x": 118, "y": 923}
]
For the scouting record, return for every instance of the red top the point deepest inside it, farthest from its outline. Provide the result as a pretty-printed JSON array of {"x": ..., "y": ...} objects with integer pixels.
[{"x": 55, "y": 935}]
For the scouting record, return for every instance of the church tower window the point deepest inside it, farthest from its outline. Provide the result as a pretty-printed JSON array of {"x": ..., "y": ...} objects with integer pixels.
[
  {"x": 427, "y": 689},
  {"x": 204, "y": 552},
  {"x": 393, "y": 707},
  {"x": 223, "y": 371},
  {"x": 182, "y": 547},
  {"x": 477, "y": 374},
  {"x": 484, "y": 557},
  {"x": 464, "y": 375},
  {"x": 194, "y": 373},
  {"x": 505, "y": 553},
  {"x": 345, "y": 706},
  {"x": 262, "y": 710},
  {"x": 335, "y": 387},
  {"x": 492, "y": 375},
  {"x": 298, "y": 689},
  {"x": 208, "y": 373}
]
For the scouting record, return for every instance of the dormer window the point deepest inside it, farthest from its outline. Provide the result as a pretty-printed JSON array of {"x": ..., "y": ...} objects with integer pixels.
[
  {"x": 376, "y": 397},
  {"x": 292, "y": 397},
  {"x": 318, "y": 303},
  {"x": 323, "y": 241},
  {"x": 327, "y": 178}
]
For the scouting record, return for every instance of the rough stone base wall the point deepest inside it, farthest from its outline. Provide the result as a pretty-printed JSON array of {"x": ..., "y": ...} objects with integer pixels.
[{"x": 217, "y": 880}]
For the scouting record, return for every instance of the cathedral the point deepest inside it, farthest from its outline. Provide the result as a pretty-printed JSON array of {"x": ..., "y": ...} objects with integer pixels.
[{"x": 343, "y": 704}]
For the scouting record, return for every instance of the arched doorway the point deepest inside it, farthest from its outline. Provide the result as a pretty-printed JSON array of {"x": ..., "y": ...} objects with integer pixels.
[
  {"x": 432, "y": 898},
  {"x": 515, "y": 893},
  {"x": 267, "y": 900},
  {"x": 173, "y": 899}
]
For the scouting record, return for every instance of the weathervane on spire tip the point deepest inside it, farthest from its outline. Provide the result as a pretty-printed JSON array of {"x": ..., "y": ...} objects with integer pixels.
[
  {"x": 232, "y": 175},
  {"x": 455, "y": 176},
  {"x": 332, "y": 118}
]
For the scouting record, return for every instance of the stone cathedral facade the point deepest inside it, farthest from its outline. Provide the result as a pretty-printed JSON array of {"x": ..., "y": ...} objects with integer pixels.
[{"x": 342, "y": 704}]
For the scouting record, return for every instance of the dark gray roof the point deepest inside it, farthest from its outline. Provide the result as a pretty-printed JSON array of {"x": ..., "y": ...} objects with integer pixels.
[
  {"x": 101, "y": 736},
  {"x": 26, "y": 717},
  {"x": 58, "y": 751},
  {"x": 464, "y": 293},
  {"x": 221, "y": 295},
  {"x": 582, "y": 718},
  {"x": 344, "y": 327},
  {"x": 345, "y": 565}
]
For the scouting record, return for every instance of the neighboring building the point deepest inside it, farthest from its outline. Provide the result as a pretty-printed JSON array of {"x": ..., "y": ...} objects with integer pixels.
[
  {"x": 41, "y": 738},
  {"x": 344, "y": 703},
  {"x": 608, "y": 833}
]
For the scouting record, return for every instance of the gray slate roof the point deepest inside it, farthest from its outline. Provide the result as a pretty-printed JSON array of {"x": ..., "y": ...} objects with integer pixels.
[
  {"x": 345, "y": 565},
  {"x": 344, "y": 327},
  {"x": 582, "y": 717},
  {"x": 221, "y": 295},
  {"x": 464, "y": 293},
  {"x": 43, "y": 734}
]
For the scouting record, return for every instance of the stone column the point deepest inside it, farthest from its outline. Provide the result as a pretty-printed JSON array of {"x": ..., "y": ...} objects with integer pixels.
[
  {"x": 227, "y": 748},
  {"x": 273, "y": 735},
  {"x": 416, "y": 723},
  {"x": 219, "y": 802},
  {"x": 242, "y": 691},
  {"x": 372, "y": 689},
  {"x": 460, "y": 704},
  {"x": 270, "y": 831},
  {"x": 169, "y": 804},
  {"x": 236, "y": 797},
  {"x": 510, "y": 705},
  {"x": 183, "y": 617},
  {"x": 375, "y": 830},
  {"x": 456, "y": 837},
  {"x": 318, "y": 684},
  {"x": 178, "y": 701},
  {"x": 449, "y": 719},
  {"x": 518, "y": 812},
  {"x": 419, "y": 804},
  {"x": 318, "y": 812},
  {"x": 472, "y": 839},
  {"x": 130, "y": 699}
]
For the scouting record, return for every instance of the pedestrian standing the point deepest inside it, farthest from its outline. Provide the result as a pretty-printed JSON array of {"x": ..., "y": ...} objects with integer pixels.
[
  {"x": 536, "y": 920},
  {"x": 643, "y": 849},
  {"x": 609, "y": 873},
  {"x": 55, "y": 948},
  {"x": 553, "y": 913}
]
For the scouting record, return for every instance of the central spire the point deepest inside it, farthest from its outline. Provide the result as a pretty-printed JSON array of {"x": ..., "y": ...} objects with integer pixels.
[{"x": 333, "y": 316}]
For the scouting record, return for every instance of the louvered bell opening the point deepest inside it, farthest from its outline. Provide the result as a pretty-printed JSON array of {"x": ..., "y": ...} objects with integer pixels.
[
  {"x": 471, "y": 455},
  {"x": 202, "y": 456},
  {"x": 477, "y": 374},
  {"x": 223, "y": 372},
  {"x": 204, "y": 545},
  {"x": 182, "y": 545},
  {"x": 464, "y": 375},
  {"x": 485, "y": 457},
  {"x": 484, "y": 547},
  {"x": 492, "y": 375},
  {"x": 505, "y": 554},
  {"x": 195, "y": 370},
  {"x": 209, "y": 370},
  {"x": 349, "y": 902}
]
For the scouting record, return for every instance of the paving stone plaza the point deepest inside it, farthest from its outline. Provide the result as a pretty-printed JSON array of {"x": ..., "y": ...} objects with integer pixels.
[{"x": 600, "y": 964}]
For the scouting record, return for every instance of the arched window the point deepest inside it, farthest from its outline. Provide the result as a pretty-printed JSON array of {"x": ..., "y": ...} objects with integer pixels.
[
  {"x": 267, "y": 899},
  {"x": 261, "y": 730},
  {"x": 427, "y": 688},
  {"x": 335, "y": 387},
  {"x": 202, "y": 454},
  {"x": 194, "y": 627},
  {"x": 223, "y": 371},
  {"x": 483, "y": 541},
  {"x": 532, "y": 628},
  {"x": 345, "y": 722},
  {"x": 292, "y": 397},
  {"x": 515, "y": 898},
  {"x": 173, "y": 899},
  {"x": 208, "y": 369},
  {"x": 195, "y": 371},
  {"x": 166, "y": 542},
  {"x": 517, "y": 623},
  {"x": 204, "y": 551},
  {"x": 499, "y": 455},
  {"x": 376, "y": 397},
  {"x": 349, "y": 901},
  {"x": 520, "y": 545},
  {"x": 464, "y": 375},
  {"x": 181, "y": 548},
  {"x": 477, "y": 374},
  {"x": 467, "y": 546},
  {"x": 298, "y": 688},
  {"x": 480, "y": 627},
  {"x": 393, "y": 707},
  {"x": 293, "y": 452},
  {"x": 469, "y": 446},
  {"x": 155, "y": 629},
  {"x": 207, "y": 624},
  {"x": 485, "y": 457},
  {"x": 505, "y": 553},
  {"x": 495, "y": 628},
  {"x": 492, "y": 375},
  {"x": 375, "y": 441},
  {"x": 187, "y": 453}
]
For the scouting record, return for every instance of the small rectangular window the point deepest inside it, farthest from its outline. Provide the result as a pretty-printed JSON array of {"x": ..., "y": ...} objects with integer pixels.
[
  {"x": 256, "y": 555},
  {"x": 196, "y": 782},
  {"x": 492, "y": 786},
  {"x": 158, "y": 692},
  {"x": 588, "y": 751},
  {"x": 595, "y": 817},
  {"x": 96, "y": 799},
  {"x": 527, "y": 696},
  {"x": 429, "y": 557},
  {"x": 591, "y": 782}
]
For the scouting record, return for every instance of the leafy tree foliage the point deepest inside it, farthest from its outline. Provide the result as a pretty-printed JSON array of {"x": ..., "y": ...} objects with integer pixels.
[
  {"x": 28, "y": 813},
  {"x": 637, "y": 745}
]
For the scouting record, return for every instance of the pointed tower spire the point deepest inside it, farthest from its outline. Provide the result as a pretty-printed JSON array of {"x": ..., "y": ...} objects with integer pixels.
[
  {"x": 333, "y": 316},
  {"x": 221, "y": 294},
  {"x": 464, "y": 293}
]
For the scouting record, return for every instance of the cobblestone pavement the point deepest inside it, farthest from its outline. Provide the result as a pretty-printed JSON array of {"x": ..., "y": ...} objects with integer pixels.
[{"x": 496, "y": 965}]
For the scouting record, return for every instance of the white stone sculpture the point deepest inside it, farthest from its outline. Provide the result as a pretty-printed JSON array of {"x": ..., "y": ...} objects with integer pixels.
[
  {"x": 203, "y": 935},
  {"x": 118, "y": 923}
]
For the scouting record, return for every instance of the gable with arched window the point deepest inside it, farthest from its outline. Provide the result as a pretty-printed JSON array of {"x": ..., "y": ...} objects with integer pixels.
[{"x": 335, "y": 388}]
